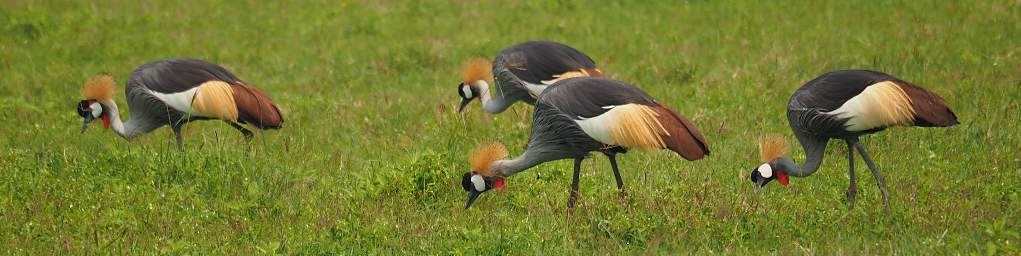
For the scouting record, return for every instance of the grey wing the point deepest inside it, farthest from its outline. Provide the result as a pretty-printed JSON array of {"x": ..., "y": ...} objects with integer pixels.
[
  {"x": 815, "y": 122},
  {"x": 585, "y": 97},
  {"x": 508, "y": 86},
  {"x": 177, "y": 75},
  {"x": 147, "y": 111},
  {"x": 557, "y": 136},
  {"x": 538, "y": 61}
]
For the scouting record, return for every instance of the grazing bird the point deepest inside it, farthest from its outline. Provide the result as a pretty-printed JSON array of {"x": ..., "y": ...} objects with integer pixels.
[
  {"x": 522, "y": 72},
  {"x": 845, "y": 105},
  {"x": 580, "y": 115},
  {"x": 174, "y": 92}
]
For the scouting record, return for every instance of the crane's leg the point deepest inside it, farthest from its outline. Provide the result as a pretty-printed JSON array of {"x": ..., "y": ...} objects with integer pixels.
[
  {"x": 852, "y": 189},
  {"x": 248, "y": 134},
  {"x": 875, "y": 172},
  {"x": 177, "y": 133},
  {"x": 622, "y": 197},
  {"x": 574, "y": 185}
]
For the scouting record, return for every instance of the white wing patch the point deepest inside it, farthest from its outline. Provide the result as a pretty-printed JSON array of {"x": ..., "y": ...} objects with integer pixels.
[
  {"x": 765, "y": 171},
  {"x": 879, "y": 105},
  {"x": 212, "y": 99},
  {"x": 629, "y": 125},
  {"x": 535, "y": 89},
  {"x": 598, "y": 127},
  {"x": 180, "y": 101}
]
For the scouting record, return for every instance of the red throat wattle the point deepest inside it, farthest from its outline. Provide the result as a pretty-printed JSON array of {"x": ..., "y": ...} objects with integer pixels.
[
  {"x": 106, "y": 122},
  {"x": 782, "y": 178},
  {"x": 499, "y": 183}
]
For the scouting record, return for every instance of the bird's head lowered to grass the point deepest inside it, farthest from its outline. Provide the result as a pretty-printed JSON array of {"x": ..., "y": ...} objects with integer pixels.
[
  {"x": 98, "y": 92},
  {"x": 482, "y": 178},
  {"x": 474, "y": 74},
  {"x": 775, "y": 164}
]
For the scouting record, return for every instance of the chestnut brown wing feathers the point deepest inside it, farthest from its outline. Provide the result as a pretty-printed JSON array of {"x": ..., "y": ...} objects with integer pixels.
[
  {"x": 682, "y": 137},
  {"x": 255, "y": 107},
  {"x": 930, "y": 109}
]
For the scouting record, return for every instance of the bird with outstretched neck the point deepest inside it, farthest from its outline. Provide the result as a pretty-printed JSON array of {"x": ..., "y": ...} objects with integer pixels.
[
  {"x": 174, "y": 92},
  {"x": 844, "y": 105},
  {"x": 521, "y": 72},
  {"x": 580, "y": 115}
]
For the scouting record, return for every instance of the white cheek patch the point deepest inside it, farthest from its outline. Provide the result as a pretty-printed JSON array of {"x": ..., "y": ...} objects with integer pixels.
[
  {"x": 97, "y": 109},
  {"x": 480, "y": 184},
  {"x": 765, "y": 171},
  {"x": 467, "y": 91}
]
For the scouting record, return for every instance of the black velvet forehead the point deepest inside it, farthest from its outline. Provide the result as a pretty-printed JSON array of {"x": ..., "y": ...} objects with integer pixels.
[
  {"x": 460, "y": 91},
  {"x": 83, "y": 108},
  {"x": 466, "y": 182}
]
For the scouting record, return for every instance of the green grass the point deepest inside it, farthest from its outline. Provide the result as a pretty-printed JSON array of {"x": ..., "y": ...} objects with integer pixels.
[{"x": 373, "y": 149}]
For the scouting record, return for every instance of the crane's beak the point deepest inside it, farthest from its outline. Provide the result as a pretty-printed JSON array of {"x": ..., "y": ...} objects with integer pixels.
[
  {"x": 464, "y": 102},
  {"x": 471, "y": 198},
  {"x": 85, "y": 122},
  {"x": 758, "y": 186}
]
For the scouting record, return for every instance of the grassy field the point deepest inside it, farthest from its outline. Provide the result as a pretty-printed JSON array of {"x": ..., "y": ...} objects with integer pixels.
[{"x": 373, "y": 149}]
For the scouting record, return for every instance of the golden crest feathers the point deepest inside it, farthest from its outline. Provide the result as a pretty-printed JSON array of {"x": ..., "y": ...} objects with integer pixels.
[
  {"x": 771, "y": 147},
  {"x": 483, "y": 157},
  {"x": 476, "y": 69},
  {"x": 99, "y": 87}
]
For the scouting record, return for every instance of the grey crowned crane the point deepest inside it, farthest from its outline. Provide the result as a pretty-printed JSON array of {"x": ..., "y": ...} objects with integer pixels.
[
  {"x": 174, "y": 92},
  {"x": 522, "y": 72},
  {"x": 581, "y": 115},
  {"x": 844, "y": 105}
]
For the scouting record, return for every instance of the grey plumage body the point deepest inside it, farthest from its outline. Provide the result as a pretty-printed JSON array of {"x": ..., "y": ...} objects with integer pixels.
[
  {"x": 528, "y": 64},
  {"x": 165, "y": 76},
  {"x": 508, "y": 90},
  {"x": 554, "y": 136},
  {"x": 808, "y": 112},
  {"x": 171, "y": 92},
  {"x": 556, "y": 133},
  {"x": 812, "y": 118}
]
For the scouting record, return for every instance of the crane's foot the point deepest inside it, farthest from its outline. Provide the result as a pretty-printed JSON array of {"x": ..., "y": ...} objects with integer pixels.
[
  {"x": 622, "y": 196},
  {"x": 875, "y": 172},
  {"x": 571, "y": 201},
  {"x": 851, "y": 192},
  {"x": 180, "y": 143},
  {"x": 248, "y": 134},
  {"x": 177, "y": 136},
  {"x": 883, "y": 191},
  {"x": 886, "y": 198}
]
